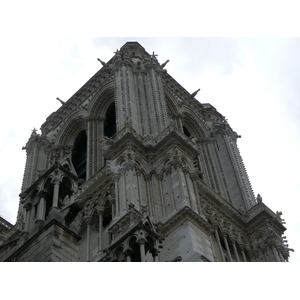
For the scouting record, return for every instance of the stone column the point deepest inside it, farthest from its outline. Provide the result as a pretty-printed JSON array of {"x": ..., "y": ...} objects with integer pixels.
[
  {"x": 182, "y": 194},
  {"x": 142, "y": 240},
  {"x": 149, "y": 193},
  {"x": 223, "y": 233},
  {"x": 185, "y": 173},
  {"x": 142, "y": 250},
  {"x": 154, "y": 253},
  {"x": 100, "y": 212},
  {"x": 235, "y": 250},
  {"x": 277, "y": 259},
  {"x": 219, "y": 244},
  {"x": 56, "y": 183},
  {"x": 193, "y": 177},
  {"x": 127, "y": 253},
  {"x": 139, "y": 186},
  {"x": 41, "y": 206},
  {"x": 159, "y": 178},
  {"x": 242, "y": 247},
  {"x": 28, "y": 217},
  {"x": 116, "y": 178},
  {"x": 168, "y": 174},
  {"x": 88, "y": 222}
]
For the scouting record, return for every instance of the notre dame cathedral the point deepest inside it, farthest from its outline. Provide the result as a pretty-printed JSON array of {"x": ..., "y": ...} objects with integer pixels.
[{"x": 132, "y": 168}]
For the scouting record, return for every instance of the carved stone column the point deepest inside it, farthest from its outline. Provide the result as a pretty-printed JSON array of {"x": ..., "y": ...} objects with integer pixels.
[
  {"x": 56, "y": 183},
  {"x": 154, "y": 253},
  {"x": 28, "y": 217},
  {"x": 275, "y": 253},
  {"x": 149, "y": 193},
  {"x": 100, "y": 233},
  {"x": 42, "y": 206},
  {"x": 88, "y": 222},
  {"x": 168, "y": 174},
  {"x": 128, "y": 253},
  {"x": 182, "y": 194},
  {"x": 219, "y": 244},
  {"x": 185, "y": 173},
  {"x": 116, "y": 178},
  {"x": 242, "y": 247},
  {"x": 224, "y": 236},
  {"x": 235, "y": 250},
  {"x": 159, "y": 178},
  {"x": 194, "y": 177},
  {"x": 139, "y": 186},
  {"x": 142, "y": 240}
]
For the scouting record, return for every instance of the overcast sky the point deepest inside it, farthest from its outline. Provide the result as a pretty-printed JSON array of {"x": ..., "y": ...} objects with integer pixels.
[{"x": 253, "y": 82}]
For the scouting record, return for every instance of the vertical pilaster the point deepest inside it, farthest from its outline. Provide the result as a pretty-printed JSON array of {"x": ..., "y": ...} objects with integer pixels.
[
  {"x": 194, "y": 177},
  {"x": 116, "y": 178},
  {"x": 219, "y": 244},
  {"x": 56, "y": 183},
  {"x": 88, "y": 222},
  {"x": 149, "y": 193},
  {"x": 28, "y": 217},
  {"x": 159, "y": 178},
  {"x": 41, "y": 206},
  {"x": 235, "y": 250},
  {"x": 139, "y": 186},
  {"x": 100, "y": 231},
  {"x": 226, "y": 245},
  {"x": 170, "y": 184}
]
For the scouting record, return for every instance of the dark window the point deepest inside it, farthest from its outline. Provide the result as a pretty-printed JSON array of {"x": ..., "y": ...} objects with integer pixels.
[
  {"x": 186, "y": 132},
  {"x": 79, "y": 155},
  {"x": 110, "y": 127},
  {"x": 107, "y": 214}
]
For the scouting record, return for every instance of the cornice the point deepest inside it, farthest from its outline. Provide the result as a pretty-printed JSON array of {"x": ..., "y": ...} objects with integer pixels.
[{"x": 184, "y": 214}]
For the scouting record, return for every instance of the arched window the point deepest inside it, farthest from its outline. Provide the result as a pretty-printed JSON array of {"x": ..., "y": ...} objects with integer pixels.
[
  {"x": 186, "y": 131},
  {"x": 107, "y": 214},
  {"x": 110, "y": 127},
  {"x": 79, "y": 155},
  {"x": 49, "y": 199}
]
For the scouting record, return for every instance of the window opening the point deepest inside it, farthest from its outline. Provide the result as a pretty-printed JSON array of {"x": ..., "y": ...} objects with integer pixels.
[
  {"x": 107, "y": 214},
  {"x": 110, "y": 127},
  {"x": 186, "y": 132},
  {"x": 79, "y": 155}
]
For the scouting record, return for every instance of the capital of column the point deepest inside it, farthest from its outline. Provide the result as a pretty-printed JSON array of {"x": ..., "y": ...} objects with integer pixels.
[
  {"x": 116, "y": 177},
  {"x": 223, "y": 232},
  {"x": 55, "y": 181},
  {"x": 194, "y": 176},
  {"x": 168, "y": 170},
  {"x": 147, "y": 177},
  {"x": 43, "y": 193},
  {"x": 159, "y": 177},
  {"x": 28, "y": 206},
  {"x": 185, "y": 170}
]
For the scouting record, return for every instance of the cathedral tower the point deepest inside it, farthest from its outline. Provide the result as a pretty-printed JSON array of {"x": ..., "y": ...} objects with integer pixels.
[{"x": 133, "y": 168}]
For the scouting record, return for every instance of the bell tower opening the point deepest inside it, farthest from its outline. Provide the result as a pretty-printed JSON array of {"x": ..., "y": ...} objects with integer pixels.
[
  {"x": 110, "y": 127},
  {"x": 79, "y": 155}
]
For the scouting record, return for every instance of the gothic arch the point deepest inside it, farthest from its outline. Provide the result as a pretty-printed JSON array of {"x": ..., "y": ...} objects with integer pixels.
[
  {"x": 71, "y": 129},
  {"x": 191, "y": 122},
  {"x": 101, "y": 102}
]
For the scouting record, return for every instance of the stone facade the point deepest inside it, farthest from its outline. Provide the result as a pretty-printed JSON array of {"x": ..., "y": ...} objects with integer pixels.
[{"x": 133, "y": 168}]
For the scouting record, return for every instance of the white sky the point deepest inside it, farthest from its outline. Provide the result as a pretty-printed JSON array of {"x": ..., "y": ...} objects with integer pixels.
[{"x": 254, "y": 82}]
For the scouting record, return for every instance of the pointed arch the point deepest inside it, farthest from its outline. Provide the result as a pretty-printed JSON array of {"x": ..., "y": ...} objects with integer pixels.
[{"x": 79, "y": 154}]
